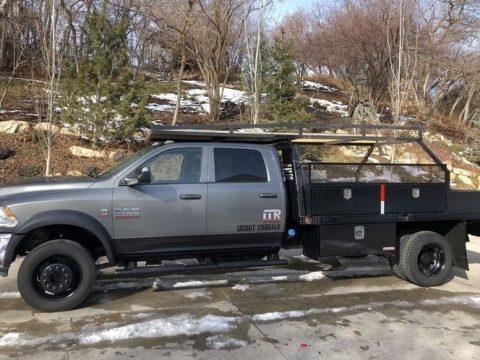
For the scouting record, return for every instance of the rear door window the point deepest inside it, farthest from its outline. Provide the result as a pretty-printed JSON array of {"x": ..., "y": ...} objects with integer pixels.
[{"x": 239, "y": 165}]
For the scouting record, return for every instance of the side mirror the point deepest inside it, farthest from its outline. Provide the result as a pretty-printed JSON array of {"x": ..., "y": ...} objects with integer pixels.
[
  {"x": 130, "y": 182},
  {"x": 145, "y": 177}
]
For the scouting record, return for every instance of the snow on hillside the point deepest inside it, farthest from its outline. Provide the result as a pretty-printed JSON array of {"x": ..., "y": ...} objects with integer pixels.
[
  {"x": 331, "y": 106},
  {"x": 196, "y": 100},
  {"x": 311, "y": 85}
]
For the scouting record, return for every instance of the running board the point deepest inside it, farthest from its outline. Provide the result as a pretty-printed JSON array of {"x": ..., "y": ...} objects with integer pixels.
[{"x": 179, "y": 269}]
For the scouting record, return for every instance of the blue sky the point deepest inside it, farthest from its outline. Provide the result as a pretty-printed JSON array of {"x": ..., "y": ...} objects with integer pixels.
[
  {"x": 288, "y": 6},
  {"x": 283, "y": 7}
]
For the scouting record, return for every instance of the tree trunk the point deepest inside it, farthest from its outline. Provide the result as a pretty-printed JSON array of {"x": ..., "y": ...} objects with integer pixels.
[
  {"x": 466, "y": 109},
  {"x": 4, "y": 9},
  {"x": 183, "y": 62}
]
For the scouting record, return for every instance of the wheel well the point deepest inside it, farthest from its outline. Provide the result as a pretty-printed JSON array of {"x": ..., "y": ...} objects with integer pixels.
[{"x": 68, "y": 232}]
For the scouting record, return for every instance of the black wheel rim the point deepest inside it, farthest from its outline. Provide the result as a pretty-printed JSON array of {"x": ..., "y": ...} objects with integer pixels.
[
  {"x": 431, "y": 259},
  {"x": 57, "y": 277}
]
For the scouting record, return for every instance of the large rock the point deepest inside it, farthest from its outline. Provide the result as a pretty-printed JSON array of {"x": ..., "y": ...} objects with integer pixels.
[
  {"x": 86, "y": 153},
  {"x": 465, "y": 179},
  {"x": 117, "y": 155},
  {"x": 45, "y": 127},
  {"x": 463, "y": 172},
  {"x": 13, "y": 127},
  {"x": 70, "y": 131}
]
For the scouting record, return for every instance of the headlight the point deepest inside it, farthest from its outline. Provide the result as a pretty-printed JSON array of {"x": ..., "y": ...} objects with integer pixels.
[{"x": 7, "y": 218}]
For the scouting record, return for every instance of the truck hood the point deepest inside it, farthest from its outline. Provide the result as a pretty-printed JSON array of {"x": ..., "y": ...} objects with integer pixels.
[{"x": 49, "y": 184}]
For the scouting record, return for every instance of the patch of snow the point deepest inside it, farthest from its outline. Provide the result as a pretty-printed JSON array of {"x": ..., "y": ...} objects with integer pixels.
[
  {"x": 206, "y": 108},
  {"x": 195, "y": 100},
  {"x": 332, "y": 106},
  {"x": 304, "y": 258},
  {"x": 192, "y": 104},
  {"x": 9, "y": 295},
  {"x": 234, "y": 95},
  {"x": 311, "y": 85},
  {"x": 197, "y": 283},
  {"x": 197, "y": 92},
  {"x": 241, "y": 287},
  {"x": 188, "y": 325},
  {"x": 167, "y": 327},
  {"x": 279, "y": 278},
  {"x": 465, "y": 300},
  {"x": 91, "y": 99},
  {"x": 11, "y": 339},
  {"x": 20, "y": 339},
  {"x": 316, "y": 275},
  {"x": 217, "y": 342},
  {"x": 278, "y": 315},
  {"x": 200, "y": 293},
  {"x": 252, "y": 130},
  {"x": 194, "y": 82},
  {"x": 10, "y": 111},
  {"x": 160, "y": 107}
]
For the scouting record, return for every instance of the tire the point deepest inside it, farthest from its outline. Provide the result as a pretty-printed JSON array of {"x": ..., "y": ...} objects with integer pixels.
[
  {"x": 426, "y": 259},
  {"x": 56, "y": 276}
]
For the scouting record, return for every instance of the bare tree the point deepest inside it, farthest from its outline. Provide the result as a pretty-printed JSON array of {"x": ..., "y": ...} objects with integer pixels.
[
  {"x": 46, "y": 99},
  {"x": 254, "y": 81},
  {"x": 183, "y": 49},
  {"x": 215, "y": 40}
]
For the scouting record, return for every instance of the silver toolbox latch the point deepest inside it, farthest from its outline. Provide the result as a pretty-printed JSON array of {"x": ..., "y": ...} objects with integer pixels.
[
  {"x": 416, "y": 193},
  {"x": 347, "y": 194}
]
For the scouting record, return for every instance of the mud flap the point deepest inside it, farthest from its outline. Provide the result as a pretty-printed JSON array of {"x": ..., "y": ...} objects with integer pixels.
[{"x": 458, "y": 238}]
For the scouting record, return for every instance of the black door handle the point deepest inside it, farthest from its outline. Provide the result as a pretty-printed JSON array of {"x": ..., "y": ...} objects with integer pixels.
[
  {"x": 190, "y": 197},
  {"x": 268, "y": 195}
]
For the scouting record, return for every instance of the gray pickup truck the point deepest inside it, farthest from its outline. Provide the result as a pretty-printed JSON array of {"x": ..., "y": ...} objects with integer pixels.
[{"x": 232, "y": 198}]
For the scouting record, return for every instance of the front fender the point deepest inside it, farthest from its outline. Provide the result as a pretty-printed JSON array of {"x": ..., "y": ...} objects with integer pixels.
[{"x": 60, "y": 217}]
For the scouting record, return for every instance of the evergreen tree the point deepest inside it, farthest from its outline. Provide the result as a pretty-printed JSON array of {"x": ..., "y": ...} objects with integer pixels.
[
  {"x": 102, "y": 97},
  {"x": 281, "y": 84}
]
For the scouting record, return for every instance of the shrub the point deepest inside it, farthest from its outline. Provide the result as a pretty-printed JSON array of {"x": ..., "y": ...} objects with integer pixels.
[
  {"x": 29, "y": 171},
  {"x": 5, "y": 153}
]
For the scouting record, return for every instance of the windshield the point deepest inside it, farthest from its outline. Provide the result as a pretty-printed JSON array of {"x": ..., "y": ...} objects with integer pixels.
[{"x": 125, "y": 163}]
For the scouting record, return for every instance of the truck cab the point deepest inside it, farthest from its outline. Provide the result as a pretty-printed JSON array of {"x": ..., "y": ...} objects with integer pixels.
[{"x": 200, "y": 199}]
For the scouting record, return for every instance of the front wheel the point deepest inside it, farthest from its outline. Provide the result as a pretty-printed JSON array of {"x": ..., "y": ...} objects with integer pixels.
[
  {"x": 56, "y": 276},
  {"x": 426, "y": 259}
]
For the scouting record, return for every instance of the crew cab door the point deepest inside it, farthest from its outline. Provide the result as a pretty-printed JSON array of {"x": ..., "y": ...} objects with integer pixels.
[
  {"x": 168, "y": 214},
  {"x": 246, "y": 199}
]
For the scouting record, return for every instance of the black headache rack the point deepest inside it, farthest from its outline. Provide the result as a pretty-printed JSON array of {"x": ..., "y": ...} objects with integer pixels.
[
  {"x": 301, "y": 133},
  {"x": 334, "y": 192}
]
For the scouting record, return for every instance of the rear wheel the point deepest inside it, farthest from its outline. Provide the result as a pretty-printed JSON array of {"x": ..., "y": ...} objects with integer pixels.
[
  {"x": 56, "y": 276},
  {"x": 426, "y": 259}
]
